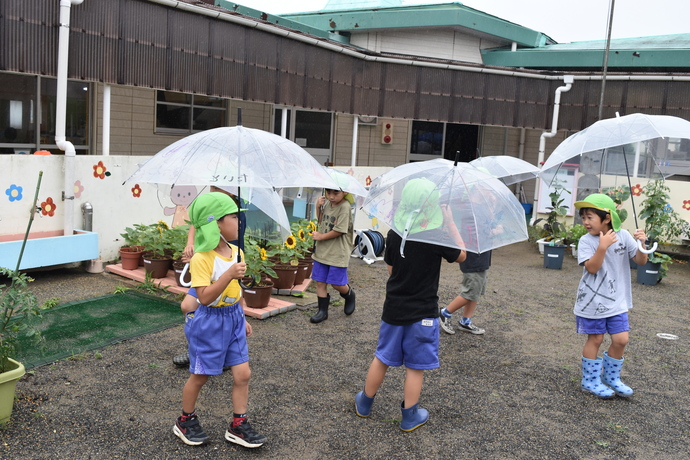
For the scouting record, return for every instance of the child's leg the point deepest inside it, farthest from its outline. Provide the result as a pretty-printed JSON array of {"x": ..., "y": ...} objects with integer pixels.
[
  {"x": 321, "y": 289},
  {"x": 375, "y": 376},
  {"x": 618, "y": 344},
  {"x": 414, "y": 379},
  {"x": 343, "y": 288},
  {"x": 591, "y": 348},
  {"x": 456, "y": 304},
  {"x": 191, "y": 390},
  {"x": 240, "y": 387}
]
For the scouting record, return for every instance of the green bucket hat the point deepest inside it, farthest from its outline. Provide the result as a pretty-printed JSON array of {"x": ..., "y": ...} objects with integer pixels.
[
  {"x": 602, "y": 203},
  {"x": 204, "y": 211},
  {"x": 418, "y": 209}
]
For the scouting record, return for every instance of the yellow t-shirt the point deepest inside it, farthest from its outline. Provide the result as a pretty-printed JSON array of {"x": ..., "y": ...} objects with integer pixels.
[{"x": 207, "y": 267}]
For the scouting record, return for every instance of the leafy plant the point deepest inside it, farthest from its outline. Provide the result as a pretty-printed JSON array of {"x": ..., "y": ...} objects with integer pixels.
[
  {"x": 256, "y": 256},
  {"x": 662, "y": 223},
  {"x": 618, "y": 194},
  {"x": 19, "y": 311},
  {"x": 156, "y": 239},
  {"x": 177, "y": 240},
  {"x": 302, "y": 230},
  {"x": 132, "y": 235},
  {"x": 573, "y": 234},
  {"x": 553, "y": 228},
  {"x": 664, "y": 259},
  {"x": 288, "y": 252}
]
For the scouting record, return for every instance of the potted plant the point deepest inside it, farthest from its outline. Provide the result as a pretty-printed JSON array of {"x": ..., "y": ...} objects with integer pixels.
[
  {"x": 554, "y": 229},
  {"x": 19, "y": 310},
  {"x": 131, "y": 252},
  {"x": 157, "y": 249},
  {"x": 177, "y": 240},
  {"x": 302, "y": 230},
  {"x": 661, "y": 224},
  {"x": 286, "y": 258},
  {"x": 572, "y": 237},
  {"x": 258, "y": 286},
  {"x": 654, "y": 270}
]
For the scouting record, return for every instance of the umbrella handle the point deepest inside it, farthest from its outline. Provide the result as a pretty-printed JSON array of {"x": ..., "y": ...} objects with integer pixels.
[
  {"x": 183, "y": 274},
  {"x": 646, "y": 251}
]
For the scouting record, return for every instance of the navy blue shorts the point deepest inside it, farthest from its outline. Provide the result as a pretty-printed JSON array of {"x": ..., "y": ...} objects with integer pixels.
[{"x": 414, "y": 345}]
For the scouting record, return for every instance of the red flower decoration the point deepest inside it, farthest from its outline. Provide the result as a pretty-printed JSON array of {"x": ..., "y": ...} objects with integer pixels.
[
  {"x": 48, "y": 207},
  {"x": 136, "y": 191},
  {"x": 368, "y": 181},
  {"x": 636, "y": 190},
  {"x": 686, "y": 205},
  {"x": 99, "y": 170}
]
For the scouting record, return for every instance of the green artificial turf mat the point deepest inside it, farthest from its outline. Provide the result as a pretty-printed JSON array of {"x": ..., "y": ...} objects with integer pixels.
[{"x": 92, "y": 324}]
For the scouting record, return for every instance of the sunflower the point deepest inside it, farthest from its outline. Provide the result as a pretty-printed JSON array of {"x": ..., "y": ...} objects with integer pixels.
[
  {"x": 163, "y": 224},
  {"x": 290, "y": 242},
  {"x": 262, "y": 253},
  {"x": 301, "y": 235},
  {"x": 312, "y": 227}
]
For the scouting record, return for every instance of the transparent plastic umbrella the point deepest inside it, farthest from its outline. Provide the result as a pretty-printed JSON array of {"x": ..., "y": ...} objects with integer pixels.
[
  {"x": 347, "y": 183},
  {"x": 483, "y": 210},
  {"x": 631, "y": 146},
  {"x": 267, "y": 201},
  {"x": 509, "y": 170}
]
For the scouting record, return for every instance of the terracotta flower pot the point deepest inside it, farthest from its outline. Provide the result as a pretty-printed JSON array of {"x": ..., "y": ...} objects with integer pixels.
[
  {"x": 258, "y": 296},
  {"x": 158, "y": 268},
  {"x": 130, "y": 257},
  {"x": 286, "y": 276},
  {"x": 180, "y": 278},
  {"x": 301, "y": 275}
]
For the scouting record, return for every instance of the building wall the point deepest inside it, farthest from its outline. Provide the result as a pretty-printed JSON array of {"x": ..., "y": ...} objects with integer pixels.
[
  {"x": 437, "y": 43},
  {"x": 370, "y": 150}
]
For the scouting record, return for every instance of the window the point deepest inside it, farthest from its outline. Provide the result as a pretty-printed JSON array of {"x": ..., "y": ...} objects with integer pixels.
[
  {"x": 27, "y": 114},
  {"x": 310, "y": 130},
  {"x": 442, "y": 140},
  {"x": 180, "y": 113}
]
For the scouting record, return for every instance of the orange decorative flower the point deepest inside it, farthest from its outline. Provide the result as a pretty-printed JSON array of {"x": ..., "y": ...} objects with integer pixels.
[
  {"x": 686, "y": 205},
  {"x": 48, "y": 207},
  {"x": 99, "y": 170},
  {"x": 136, "y": 191},
  {"x": 636, "y": 190}
]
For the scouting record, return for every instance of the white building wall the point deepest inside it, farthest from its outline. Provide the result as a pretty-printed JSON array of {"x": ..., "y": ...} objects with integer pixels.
[{"x": 370, "y": 150}]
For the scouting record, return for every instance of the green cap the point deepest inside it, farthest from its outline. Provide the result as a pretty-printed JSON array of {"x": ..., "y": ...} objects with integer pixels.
[
  {"x": 418, "y": 209},
  {"x": 602, "y": 203},
  {"x": 204, "y": 211}
]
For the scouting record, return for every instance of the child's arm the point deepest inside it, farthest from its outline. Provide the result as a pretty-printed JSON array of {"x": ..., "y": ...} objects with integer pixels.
[
  {"x": 594, "y": 263},
  {"x": 319, "y": 207},
  {"x": 326, "y": 236},
  {"x": 189, "y": 248},
  {"x": 208, "y": 294},
  {"x": 640, "y": 257}
]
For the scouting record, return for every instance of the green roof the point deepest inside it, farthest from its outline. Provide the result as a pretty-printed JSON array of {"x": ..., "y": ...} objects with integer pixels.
[
  {"x": 426, "y": 16},
  {"x": 663, "y": 51}
]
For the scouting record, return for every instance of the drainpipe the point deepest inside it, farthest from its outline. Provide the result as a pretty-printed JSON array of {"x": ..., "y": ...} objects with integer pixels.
[
  {"x": 568, "y": 80},
  {"x": 355, "y": 133},
  {"x": 106, "y": 121},
  {"x": 61, "y": 115}
]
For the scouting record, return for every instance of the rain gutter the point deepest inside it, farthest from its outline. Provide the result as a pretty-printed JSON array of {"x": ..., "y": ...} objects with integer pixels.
[{"x": 61, "y": 115}]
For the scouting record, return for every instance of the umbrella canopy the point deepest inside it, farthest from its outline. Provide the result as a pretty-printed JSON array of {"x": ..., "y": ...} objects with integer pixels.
[
  {"x": 413, "y": 198},
  {"x": 628, "y": 145},
  {"x": 267, "y": 201},
  {"x": 509, "y": 170},
  {"x": 347, "y": 183},
  {"x": 234, "y": 156}
]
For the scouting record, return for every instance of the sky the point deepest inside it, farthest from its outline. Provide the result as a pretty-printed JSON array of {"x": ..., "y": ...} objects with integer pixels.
[{"x": 564, "y": 21}]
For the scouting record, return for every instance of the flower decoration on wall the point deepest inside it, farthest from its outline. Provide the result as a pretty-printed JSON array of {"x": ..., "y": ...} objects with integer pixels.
[
  {"x": 136, "y": 191},
  {"x": 367, "y": 181},
  {"x": 48, "y": 207},
  {"x": 100, "y": 171},
  {"x": 14, "y": 193},
  {"x": 636, "y": 190},
  {"x": 686, "y": 205},
  {"x": 78, "y": 188}
]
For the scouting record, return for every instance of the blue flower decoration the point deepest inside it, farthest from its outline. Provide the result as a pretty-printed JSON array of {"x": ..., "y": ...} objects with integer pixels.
[
  {"x": 668, "y": 208},
  {"x": 14, "y": 193}
]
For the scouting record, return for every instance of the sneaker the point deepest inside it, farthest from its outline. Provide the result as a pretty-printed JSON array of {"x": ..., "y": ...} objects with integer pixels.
[
  {"x": 445, "y": 325},
  {"x": 245, "y": 435},
  {"x": 181, "y": 359},
  {"x": 471, "y": 328},
  {"x": 190, "y": 431}
]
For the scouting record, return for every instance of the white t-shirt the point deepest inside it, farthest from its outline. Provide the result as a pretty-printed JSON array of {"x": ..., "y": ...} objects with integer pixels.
[{"x": 608, "y": 292}]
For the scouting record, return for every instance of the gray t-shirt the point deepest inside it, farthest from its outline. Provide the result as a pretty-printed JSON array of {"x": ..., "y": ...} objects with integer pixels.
[{"x": 608, "y": 292}]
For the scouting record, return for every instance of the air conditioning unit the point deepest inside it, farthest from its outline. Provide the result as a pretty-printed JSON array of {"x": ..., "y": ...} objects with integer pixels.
[{"x": 368, "y": 121}]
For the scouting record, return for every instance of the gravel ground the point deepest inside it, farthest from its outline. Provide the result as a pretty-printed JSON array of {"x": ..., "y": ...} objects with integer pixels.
[{"x": 511, "y": 393}]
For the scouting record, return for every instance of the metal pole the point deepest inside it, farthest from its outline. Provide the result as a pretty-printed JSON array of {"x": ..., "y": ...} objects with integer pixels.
[{"x": 606, "y": 60}]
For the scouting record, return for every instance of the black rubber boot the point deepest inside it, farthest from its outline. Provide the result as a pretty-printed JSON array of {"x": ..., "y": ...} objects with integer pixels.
[
  {"x": 322, "y": 314},
  {"x": 349, "y": 301}
]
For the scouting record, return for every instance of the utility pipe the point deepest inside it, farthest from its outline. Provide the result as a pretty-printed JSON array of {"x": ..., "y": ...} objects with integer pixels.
[
  {"x": 283, "y": 123},
  {"x": 106, "y": 121},
  {"x": 355, "y": 135},
  {"x": 61, "y": 115},
  {"x": 568, "y": 80}
]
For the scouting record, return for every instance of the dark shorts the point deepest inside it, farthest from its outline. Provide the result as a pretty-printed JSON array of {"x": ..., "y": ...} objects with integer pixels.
[
  {"x": 612, "y": 325},
  {"x": 336, "y": 276},
  {"x": 473, "y": 285},
  {"x": 414, "y": 345}
]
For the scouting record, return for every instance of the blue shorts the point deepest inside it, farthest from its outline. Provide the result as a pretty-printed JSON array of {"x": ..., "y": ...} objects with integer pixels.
[
  {"x": 217, "y": 338},
  {"x": 336, "y": 276},
  {"x": 612, "y": 325},
  {"x": 414, "y": 345}
]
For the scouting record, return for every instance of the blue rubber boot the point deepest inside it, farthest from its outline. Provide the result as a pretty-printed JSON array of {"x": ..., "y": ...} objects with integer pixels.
[
  {"x": 363, "y": 404},
  {"x": 612, "y": 376},
  {"x": 413, "y": 417},
  {"x": 591, "y": 378}
]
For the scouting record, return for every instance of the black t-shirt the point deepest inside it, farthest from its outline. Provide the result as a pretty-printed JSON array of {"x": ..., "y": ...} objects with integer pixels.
[
  {"x": 476, "y": 262},
  {"x": 412, "y": 289}
]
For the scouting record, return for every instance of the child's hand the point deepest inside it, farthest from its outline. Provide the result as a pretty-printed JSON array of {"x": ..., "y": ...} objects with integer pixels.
[
  {"x": 249, "y": 328},
  {"x": 188, "y": 253},
  {"x": 640, "y": 235},
  {"x": 316, "y": 236},
  {"x": 321, "y": 201},
  {"x": 606, "y": 240},
  {"x": 237, "y": 270}
]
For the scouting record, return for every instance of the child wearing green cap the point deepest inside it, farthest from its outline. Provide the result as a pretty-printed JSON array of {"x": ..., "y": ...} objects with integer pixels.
[
  {"x": 604, "y": 294},
  {"x": 217, "y": 330},
  {"x": 409, "y": 332}
]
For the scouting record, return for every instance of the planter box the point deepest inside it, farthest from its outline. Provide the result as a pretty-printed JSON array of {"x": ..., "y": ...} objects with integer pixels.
[
  {"x": 8, "y": 383},
  {"x": 649, "y": 273},
  {"x": 44, "y": 249},
  {"x": 553, "y": 256}
]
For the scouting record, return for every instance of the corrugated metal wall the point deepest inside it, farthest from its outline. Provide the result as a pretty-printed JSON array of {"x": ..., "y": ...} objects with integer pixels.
[{"x": 138, "y": 43}]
